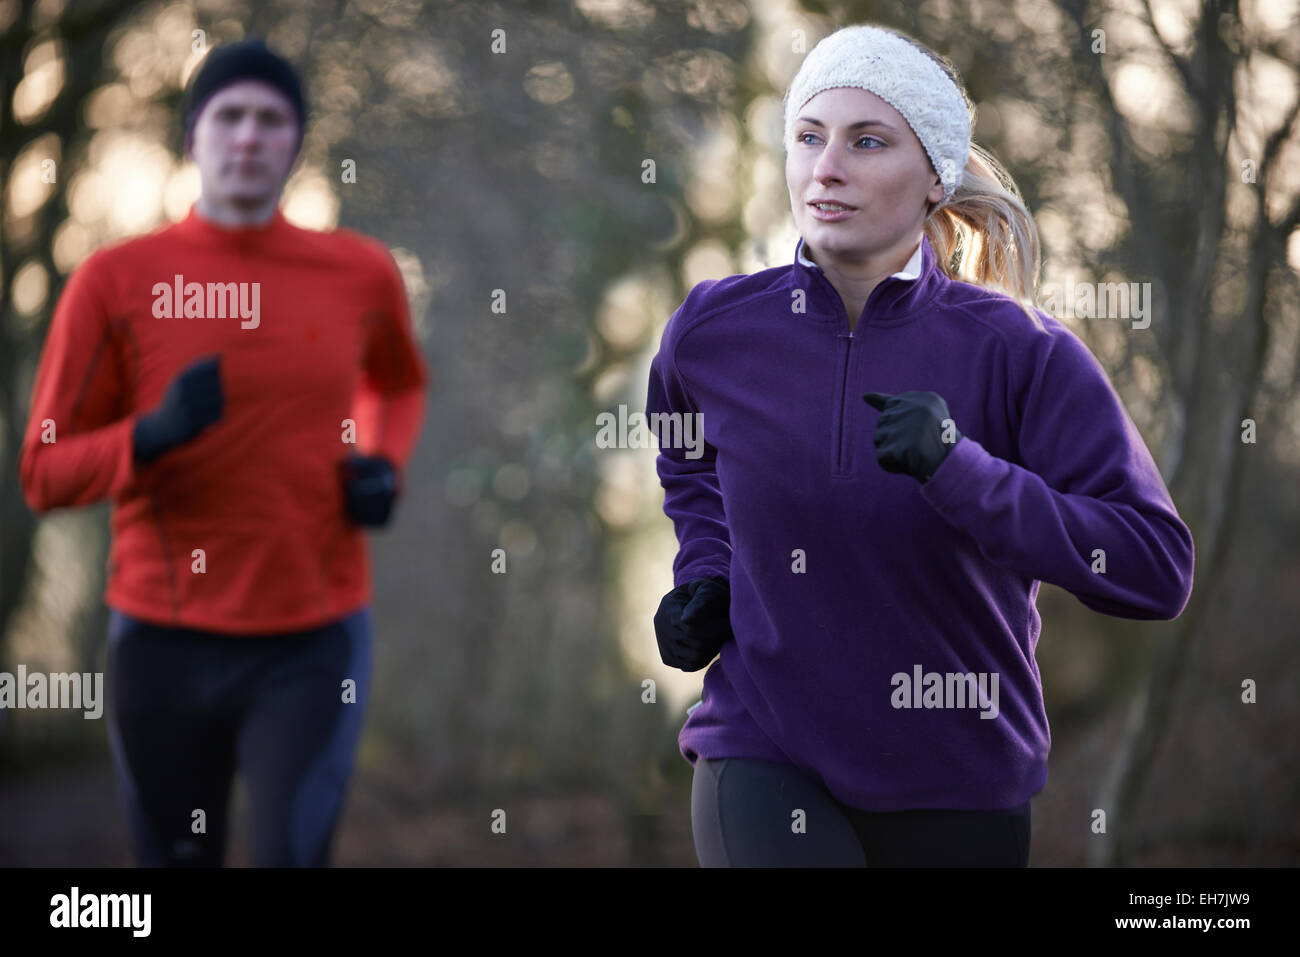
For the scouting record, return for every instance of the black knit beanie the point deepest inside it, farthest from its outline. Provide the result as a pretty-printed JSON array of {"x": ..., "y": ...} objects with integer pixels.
[{"x": 246, "y": 60}]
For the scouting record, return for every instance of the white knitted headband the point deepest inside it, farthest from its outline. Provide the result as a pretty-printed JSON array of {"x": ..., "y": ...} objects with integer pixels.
[{"x": 874, "y": 59}]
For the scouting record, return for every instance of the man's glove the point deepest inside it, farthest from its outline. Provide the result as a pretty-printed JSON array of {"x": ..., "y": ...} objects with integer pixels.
[
  {"x": 193, "y": 401},
  {"x": 370, "y": 486},
  {"x": 693, "y": 622},
  {"x": 909, "y": 432}
]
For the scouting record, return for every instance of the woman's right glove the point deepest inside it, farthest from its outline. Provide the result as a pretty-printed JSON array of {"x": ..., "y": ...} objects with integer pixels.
[
  {"x": 693, "y": 623},
  {"x": 193, "y": 401}
]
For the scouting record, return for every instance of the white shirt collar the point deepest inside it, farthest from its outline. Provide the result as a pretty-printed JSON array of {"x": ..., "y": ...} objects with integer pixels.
[{"x": 911, "y": 271}]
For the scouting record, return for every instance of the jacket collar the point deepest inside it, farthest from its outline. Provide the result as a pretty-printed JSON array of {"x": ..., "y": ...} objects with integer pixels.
[{"x": 898, "y": 298}]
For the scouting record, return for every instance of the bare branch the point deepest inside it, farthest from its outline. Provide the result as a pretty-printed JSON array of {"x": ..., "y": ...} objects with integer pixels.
[{"x": 1179, "y": 63}]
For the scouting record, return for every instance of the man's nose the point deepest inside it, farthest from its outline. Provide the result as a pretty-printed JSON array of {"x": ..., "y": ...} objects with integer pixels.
[{"x": 247, "y": 132}]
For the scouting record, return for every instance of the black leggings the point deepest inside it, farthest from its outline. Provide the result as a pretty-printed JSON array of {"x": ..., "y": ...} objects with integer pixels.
[
  {"x": 189, "y": 709},
  {"x": 743, "y": 814}
]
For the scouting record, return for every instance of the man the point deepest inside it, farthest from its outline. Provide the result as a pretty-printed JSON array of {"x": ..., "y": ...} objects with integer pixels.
[{"x": 218, "y": 380}]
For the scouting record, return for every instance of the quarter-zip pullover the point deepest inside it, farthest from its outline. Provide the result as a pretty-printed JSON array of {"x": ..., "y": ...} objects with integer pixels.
[
  {"x": 885, "y": 629},
  {"x": 241, "y": 530}
]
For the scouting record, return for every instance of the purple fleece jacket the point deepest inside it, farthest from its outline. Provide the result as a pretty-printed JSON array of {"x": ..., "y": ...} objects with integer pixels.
[{"x": 860, "y": 597}]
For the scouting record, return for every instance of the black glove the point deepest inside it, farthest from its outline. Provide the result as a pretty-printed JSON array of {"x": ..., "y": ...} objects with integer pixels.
[
  {"x": 193, "y": 401},
  {"x": 370, "y": 487},
  {"x": 693, "y": 622},
  {"x": 909, "y": 432}
]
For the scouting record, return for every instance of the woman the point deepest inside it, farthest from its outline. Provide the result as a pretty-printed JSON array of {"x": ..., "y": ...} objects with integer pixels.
[{"x": 880, "y": 703}]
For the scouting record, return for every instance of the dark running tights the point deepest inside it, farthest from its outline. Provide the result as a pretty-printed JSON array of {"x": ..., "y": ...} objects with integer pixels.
[
  {"x": 190, "y": 709},
  {"x": 742, "y": 815}
]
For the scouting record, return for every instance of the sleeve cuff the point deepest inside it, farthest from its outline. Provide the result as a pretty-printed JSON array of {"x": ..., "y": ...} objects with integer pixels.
[
  {"x": 127, "y": 472},
  {"x": 692, "y": 572},
  {"x": 951, "y": 475}
]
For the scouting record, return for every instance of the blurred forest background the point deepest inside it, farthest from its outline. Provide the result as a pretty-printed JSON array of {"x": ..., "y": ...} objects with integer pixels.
[{"x": 1153, "y": 142}]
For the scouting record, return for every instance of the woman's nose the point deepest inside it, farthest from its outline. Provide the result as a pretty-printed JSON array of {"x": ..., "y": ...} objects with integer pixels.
[{"x": 827, "y": 166}]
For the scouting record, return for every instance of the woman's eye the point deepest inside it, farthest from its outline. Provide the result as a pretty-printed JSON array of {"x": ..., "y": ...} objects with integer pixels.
[{"x": 803, "y": 138}]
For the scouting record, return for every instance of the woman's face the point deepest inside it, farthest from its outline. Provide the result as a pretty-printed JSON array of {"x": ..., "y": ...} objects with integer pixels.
[{"x": 852, "y": 147}]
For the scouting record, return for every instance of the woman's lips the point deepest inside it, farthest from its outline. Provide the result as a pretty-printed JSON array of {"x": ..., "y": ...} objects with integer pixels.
[{"x": 830, "y": 215}]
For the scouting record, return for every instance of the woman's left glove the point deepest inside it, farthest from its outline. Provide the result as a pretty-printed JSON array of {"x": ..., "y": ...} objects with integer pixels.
[
  {"x": 370, "y": 486},
  {"x": 693, "y": 622},
  {"x": 910, "y": 433}
]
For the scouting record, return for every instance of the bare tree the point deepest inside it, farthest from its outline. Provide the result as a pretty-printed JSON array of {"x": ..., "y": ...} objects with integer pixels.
[
  {"x": 1216, "y": 354},
  {"x": 78, "y": 35}
]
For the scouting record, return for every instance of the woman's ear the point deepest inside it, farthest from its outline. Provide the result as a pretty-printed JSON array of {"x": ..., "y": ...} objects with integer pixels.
[{"x": 935, "y": 196}]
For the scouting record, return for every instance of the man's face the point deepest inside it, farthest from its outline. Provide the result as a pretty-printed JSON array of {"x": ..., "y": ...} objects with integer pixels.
[
  {"x": 879, "y": 169},
  {"x": 245, "y": 141}
]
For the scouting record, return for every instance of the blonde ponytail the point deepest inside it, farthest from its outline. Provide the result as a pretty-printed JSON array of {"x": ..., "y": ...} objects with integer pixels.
[{"x": 984, "y": 234}]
